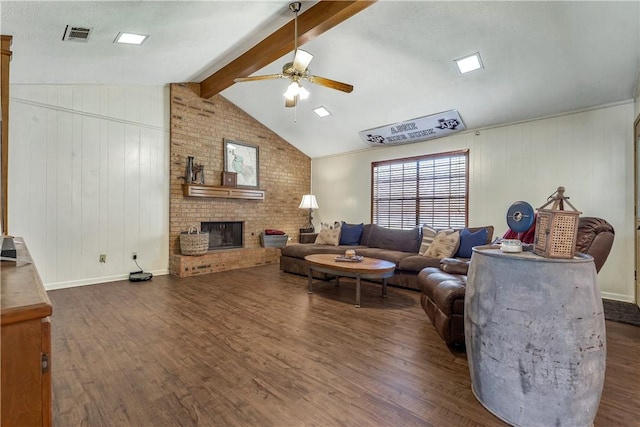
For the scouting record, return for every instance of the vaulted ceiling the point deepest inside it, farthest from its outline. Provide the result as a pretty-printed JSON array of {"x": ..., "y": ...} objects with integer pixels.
[{"x": 540, "y": 58}]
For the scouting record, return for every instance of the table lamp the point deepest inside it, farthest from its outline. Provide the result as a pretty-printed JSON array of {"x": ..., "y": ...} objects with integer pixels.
[{"x": 308, "y": 202}]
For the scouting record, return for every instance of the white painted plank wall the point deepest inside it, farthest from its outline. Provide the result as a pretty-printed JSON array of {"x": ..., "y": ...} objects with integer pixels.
[
  {"x": 590, "y": 153},
  {"x": 637, "y": 95},
  {"x": 88, "y": 175}
]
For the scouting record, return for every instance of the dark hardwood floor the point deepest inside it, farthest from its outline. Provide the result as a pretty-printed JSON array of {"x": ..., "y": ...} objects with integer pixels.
[{"x": 250, "y": 347}]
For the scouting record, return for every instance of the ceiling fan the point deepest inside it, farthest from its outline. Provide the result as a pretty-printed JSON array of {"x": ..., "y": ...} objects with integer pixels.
[{"x": 297, "y": 71}]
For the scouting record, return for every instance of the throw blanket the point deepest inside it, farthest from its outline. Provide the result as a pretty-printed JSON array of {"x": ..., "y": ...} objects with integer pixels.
[{"x": 273, "y": 232}]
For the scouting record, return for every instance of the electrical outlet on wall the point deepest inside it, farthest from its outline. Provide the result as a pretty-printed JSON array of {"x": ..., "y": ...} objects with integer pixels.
[
  {"x": 134, "y": 255},
  {"x": 103, "y": 258}
]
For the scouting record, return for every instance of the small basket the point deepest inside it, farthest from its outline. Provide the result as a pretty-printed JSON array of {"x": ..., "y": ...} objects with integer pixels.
[
  {"x": 193, "y": 242},
  {"x": 273, "y": 241}
]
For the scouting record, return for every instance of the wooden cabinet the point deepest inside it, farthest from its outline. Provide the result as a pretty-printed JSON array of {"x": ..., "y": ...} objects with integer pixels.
[{"x": 26, "y": 344}]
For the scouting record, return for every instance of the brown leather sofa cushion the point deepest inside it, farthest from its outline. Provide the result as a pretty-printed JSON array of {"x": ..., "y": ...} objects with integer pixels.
[
  {"x": 454, "y": 265},
  {"x": 300, "y": 251},
  {"x": 395, "y": 240},
  {"x": 395, "y": 257},
  {"x": 444, "y": 289},
  {"x": 416, "y": 263},
  {"x": 595, "y": 238},
  {"x": 442, "y": 298}
]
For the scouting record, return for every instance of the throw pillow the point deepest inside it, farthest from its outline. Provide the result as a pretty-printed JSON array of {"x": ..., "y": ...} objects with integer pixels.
[
  {"x": 435, "y": 233},
  {"x": 468, "y": 240},
  {"x": 444, "y": 245},
  {"x": 428, "y": 234},
  {"x": 350, "y": 234},
  {"x": 329, "y": 234}
]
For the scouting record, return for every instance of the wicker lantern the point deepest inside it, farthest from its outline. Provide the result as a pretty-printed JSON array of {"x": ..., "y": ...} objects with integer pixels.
[{"x": 556, "y": 229}]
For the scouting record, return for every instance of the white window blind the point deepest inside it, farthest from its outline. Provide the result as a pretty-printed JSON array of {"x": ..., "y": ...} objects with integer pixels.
[{"x": 430, "y": 190}]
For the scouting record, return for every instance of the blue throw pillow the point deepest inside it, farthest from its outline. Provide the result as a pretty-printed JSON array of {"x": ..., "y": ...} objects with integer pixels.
[
  {"x": 350, "y": 234},
  {"x": 469, "y": 240}
]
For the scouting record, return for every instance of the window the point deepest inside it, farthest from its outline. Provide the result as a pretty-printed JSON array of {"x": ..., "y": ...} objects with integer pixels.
[{"x": 429, "y": 190}]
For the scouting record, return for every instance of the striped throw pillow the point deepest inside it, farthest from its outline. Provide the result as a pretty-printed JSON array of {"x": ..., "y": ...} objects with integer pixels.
[{"x": 428, "y": 234}]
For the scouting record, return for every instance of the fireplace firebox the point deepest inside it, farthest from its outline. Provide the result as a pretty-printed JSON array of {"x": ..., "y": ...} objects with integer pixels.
[{"x": 224, "y": 234}]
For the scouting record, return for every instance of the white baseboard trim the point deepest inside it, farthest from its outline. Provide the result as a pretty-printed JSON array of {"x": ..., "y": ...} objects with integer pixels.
[
  {"x": 96, "y": 280},
  {"x": 617, "y": 297}
]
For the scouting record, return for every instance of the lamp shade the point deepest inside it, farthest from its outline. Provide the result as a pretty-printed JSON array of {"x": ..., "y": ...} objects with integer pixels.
[
  {"x": 292, "y": 91},
  {"x": 296, "y": 89},
  {"x": 308, "y": 202}
]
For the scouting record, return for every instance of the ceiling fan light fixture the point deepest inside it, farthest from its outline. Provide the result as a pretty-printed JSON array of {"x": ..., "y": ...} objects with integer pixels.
[
  {"x": 297, "y": 70},
  {"x": 295, "y": 89},
  {"x": 302, "y": 92},
  {"x": 292, "y": 91}
]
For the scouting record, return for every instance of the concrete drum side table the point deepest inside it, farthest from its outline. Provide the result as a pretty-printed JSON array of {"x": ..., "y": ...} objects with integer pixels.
[{"x": 535, "y": 337}]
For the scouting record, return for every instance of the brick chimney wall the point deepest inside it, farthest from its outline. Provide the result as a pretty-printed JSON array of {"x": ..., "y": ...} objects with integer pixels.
[{"x": 198, "y": 128}]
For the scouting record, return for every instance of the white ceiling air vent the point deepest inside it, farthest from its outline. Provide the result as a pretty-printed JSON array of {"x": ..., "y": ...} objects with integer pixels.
[{"x": 76, "y": 34}]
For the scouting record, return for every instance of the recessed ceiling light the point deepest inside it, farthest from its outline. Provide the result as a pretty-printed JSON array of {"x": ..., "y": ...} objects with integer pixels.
[
  {"x": 321, "y": 111},
  {"x": 130, "y": 38},
  {"x": 469, "y": 63}
]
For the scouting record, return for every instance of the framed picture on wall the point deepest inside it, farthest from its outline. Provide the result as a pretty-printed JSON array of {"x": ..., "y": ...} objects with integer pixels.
[{"x": 243, "y": 159}]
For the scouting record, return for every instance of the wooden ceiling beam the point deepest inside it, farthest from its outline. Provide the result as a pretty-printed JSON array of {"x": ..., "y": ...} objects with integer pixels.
[{"x": 321, "y": 17}]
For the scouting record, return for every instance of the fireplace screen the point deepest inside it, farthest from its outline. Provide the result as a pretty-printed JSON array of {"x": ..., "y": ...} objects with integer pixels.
[{"x": 224, "y": 235}]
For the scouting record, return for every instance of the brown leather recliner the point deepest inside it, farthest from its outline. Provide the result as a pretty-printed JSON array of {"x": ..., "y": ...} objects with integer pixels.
[
  {"x": 595, "y": 238},
  {"x": 442, "y": 289}
]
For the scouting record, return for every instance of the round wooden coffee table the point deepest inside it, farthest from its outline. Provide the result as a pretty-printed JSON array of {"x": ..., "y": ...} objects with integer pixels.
[{"x": 368, "y": 268}]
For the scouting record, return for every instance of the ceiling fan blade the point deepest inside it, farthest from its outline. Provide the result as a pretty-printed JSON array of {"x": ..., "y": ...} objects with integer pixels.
[
  {"x": 255, "y": 78},
  {"x": 301, "y": 60},
  {"x": 333, "y": 84},
  {"x": 290, "y": 102}
]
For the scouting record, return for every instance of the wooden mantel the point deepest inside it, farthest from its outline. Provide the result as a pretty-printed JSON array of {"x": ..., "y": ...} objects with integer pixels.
[{"x": 200, "y": 190}]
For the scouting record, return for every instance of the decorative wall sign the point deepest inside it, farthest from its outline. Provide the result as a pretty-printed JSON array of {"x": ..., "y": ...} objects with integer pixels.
[
  {"x": 242, "y": 159},
  {"x": 415, "y": 130}
]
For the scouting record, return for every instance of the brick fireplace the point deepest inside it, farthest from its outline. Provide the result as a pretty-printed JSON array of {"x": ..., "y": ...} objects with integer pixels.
[{"x": 198, "y": 128}]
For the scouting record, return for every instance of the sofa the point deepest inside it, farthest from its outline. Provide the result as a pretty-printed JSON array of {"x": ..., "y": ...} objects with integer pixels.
[
  {"x": 401, "y": 247},
  {"x": 442, "y": 288}
]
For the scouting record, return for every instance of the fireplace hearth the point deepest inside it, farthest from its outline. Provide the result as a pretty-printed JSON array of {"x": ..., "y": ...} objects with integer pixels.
[{"x": 224, "y": 234}]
